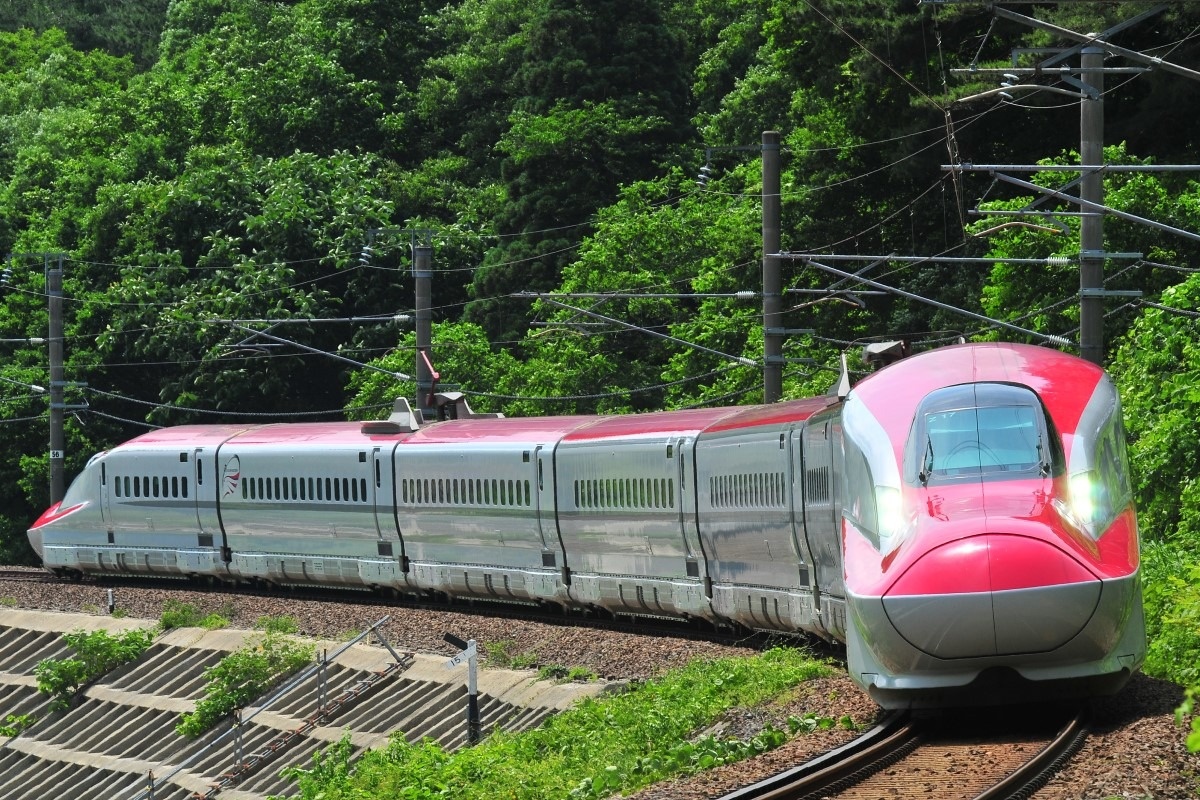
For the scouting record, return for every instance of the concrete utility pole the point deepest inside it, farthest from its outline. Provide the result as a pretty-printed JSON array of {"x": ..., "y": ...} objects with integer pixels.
[
  {"x": 54, "y": 291},
  {"x": 772, "y": 284},
  {"x": 421, "y": 243},
  {"x": 422, "y": 271},
  {"x": 1091, "y": 189}
]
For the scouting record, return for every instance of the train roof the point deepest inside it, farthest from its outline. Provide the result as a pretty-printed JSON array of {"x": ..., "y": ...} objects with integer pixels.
[
  {"x": 1065, "y": 382},
  {"x": 491, "y": 430},
  {"x": 186, "y": 436}
]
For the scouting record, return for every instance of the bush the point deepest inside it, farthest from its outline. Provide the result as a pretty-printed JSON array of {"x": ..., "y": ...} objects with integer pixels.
[
  {"x": 176, "y": 614},
  {"x": 96, "y": 652},
  {"x": 242, "y": 676},
  {"x": 1171, "y": 595}
]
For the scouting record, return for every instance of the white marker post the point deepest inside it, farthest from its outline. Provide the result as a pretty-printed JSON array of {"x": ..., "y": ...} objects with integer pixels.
[{"x": 470, "y": 654}]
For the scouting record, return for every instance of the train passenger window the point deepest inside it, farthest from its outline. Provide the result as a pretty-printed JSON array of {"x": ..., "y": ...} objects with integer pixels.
[
  {"x": 183, "y": 486},
  {"x": 310, "y": 488},
  {"x": 362, "y": 482},
  {"x": 346, "y": 489},
  {"x": 302, "y": 495},
  {"x": 278, "y": 493},
  {"x": 328, "y": 488},
  {"x": 117, "y": 485},
  {"x": 528, "y": 497},
  {"x": 337, "y": 490},
  {"x": 145, "y": 486}
]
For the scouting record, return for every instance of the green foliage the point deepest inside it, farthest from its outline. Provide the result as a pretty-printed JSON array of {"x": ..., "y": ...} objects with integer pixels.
[
  {"x": 96, "y": 653},
  {"x": 15, "y": 723},
  {"x": 613, "y": 743},
  {"x": 1187, "y": 710},
  {"x": 241, "y": 676},
  {"x": 330, "y": 766},
  {"x": 177, "y": 614},
  {"x": 1171, "y": 592},
  {"x": 503, "y": 654},
  {"x": 284, "y": 625},
  {"x": 811, "y": 722},
  {"x": 553, "y": 672}
]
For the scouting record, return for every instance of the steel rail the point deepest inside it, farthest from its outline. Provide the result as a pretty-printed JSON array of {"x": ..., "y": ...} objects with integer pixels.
[
  {"x": 893, "y": 738},
  {"x": 1033, "y": 775}
]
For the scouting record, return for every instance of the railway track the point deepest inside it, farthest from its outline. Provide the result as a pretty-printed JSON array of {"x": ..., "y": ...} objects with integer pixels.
[
  {"x": 947, "y": 758},
  {"x": 527, "y": 612},
  {"x": 27, "y": 574}
]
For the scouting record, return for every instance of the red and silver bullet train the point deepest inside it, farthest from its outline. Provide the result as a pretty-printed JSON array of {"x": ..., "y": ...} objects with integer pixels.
[{"x": 961, "y": 519}]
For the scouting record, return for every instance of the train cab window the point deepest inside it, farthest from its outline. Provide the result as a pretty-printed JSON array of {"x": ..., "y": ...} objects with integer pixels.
[{"x": 986, "y": 431}]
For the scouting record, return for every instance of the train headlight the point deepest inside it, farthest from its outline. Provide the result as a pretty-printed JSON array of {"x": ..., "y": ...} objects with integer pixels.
[
  {"x": 889, "y": 507},
  {"x": 1083, "y": 499},
  {"x": 1085, "y": 506}
]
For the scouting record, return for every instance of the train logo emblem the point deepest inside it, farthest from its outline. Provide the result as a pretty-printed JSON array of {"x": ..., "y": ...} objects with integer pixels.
[{"x": 231, "y": 476}]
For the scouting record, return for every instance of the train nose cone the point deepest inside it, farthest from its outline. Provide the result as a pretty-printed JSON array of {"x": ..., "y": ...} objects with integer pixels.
[
  {"x": 992, "y": 595},
  {"x": 35, "y": 541}
]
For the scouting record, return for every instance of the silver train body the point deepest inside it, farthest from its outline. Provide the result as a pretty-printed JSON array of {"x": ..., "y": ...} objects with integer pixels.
[{"x": 802, "y": 516}]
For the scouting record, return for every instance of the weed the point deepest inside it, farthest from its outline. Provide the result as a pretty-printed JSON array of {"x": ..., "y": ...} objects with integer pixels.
[
  {"x": 504, "y": 654},
  {"x": 286, "y": 625},
  {"x": 96, "y": 652},
  {"x": 241, "y": 676},
  {"x": 15, "y": 723}
]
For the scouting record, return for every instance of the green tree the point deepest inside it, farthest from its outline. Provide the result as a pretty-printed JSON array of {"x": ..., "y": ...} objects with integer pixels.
[{"x": 601, "y": 101}]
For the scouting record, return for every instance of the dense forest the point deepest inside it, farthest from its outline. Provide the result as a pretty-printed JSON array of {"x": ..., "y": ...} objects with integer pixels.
[{"x": 196, "y": 163}]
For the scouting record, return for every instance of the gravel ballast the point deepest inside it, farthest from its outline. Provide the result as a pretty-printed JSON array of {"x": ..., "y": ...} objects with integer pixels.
[{"x": 1136, "y": 749}]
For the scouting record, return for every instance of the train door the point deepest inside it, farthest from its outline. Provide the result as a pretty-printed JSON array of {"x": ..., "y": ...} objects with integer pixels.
[
  {"x": 383, "y": 495},
  {"x": 105, "y": 508},
  {"x": 693, "y": 547},
  {"x": 818, "y": 460},
  {"x": 796, "y": 507},
  {"x": 543, "y": 499},
  {"x": 208, "y": 519}
]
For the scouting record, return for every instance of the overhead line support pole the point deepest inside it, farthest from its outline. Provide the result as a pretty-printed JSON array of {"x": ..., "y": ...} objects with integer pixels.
[
  {"x": 422, "y": 257},
  {"x": 1091, "y": 189},
  {"x": 772, "y": 292},
  {"x": 54, "y": 291}
]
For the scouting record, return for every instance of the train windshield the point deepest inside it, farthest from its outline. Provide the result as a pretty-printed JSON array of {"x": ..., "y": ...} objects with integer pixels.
[{"x": 983, "y": 430}]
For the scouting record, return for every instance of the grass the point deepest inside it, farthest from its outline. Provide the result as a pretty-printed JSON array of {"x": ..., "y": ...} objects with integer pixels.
[{"x": 603, "y": 745}]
